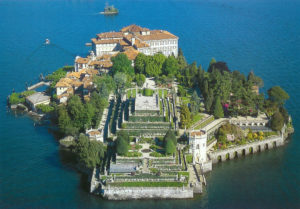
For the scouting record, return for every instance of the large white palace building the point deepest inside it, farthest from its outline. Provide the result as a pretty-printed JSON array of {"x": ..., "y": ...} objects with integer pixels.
[
  {"x": 134, "y": 37},
  {"x": 130, "y": 40}
]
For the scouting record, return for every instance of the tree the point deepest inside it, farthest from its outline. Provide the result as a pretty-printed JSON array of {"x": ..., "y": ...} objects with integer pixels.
[
  {"x": 170, "y": 148},
  {"x": 255, "y": 79},
  {"x": 122, "y": 64},
  {"x": 195, "y": 102},
  {"x": 185, "y": 116},
  {"x": 90, "y": 153},
  {"x": 139, "y": 63},
  {"x": 278, "y": 95},
  {"x": 277, "y": 121},
  {"x": 120, "y": 80},
  {"x": 106, "y": 81},
  {"x": 159, "y": 59},
  {"x": 218, "y": 109},
  {"x": 76, "y": 111},
  {"x": 209, "y": 101},
  {"x": 64, "y": 119},
  {"x": 212, "y": 61},
  {"x": 140, "y": 79},
  {"x": 181, "y": 59},
  {"x": 89, "y": 114},
  {"x": 121, "y": 145},
  {"x": 170, "y": 136},
  {"x": 181, "y": 91},
  {"x": 170, "y": 66},
  {"x": 220, "y": 66}
]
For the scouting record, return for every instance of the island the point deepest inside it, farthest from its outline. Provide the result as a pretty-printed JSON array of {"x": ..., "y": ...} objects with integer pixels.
[
  {"x": 110, "y": 10},
  {"x": 143, "y": 123}
]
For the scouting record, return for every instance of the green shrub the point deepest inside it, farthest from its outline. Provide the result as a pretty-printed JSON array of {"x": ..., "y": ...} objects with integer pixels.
[
  {"x": 15, "y": 98},
  {"x": 149, "y": 184},
  {"x": 45, "y": 108},
  {"x": 148, "y": 92},
  {"x": 132, "y": 154},
  {"x": 156, "y": 154},
  {"x": 27, "y": 93},
  {"x": 189, "y": 159}
]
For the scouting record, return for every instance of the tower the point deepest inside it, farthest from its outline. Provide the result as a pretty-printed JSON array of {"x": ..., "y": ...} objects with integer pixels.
[{"x": 197, "y": 141}]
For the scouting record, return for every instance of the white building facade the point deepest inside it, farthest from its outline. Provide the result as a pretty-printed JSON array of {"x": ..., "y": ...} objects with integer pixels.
[
  {"x": 144, "y": 40},
  {"x": 197, "y": 141}
]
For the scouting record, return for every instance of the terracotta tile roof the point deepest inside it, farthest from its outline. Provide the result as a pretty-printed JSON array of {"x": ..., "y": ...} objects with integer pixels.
[
  {"x": 106, "y": 64},
  {"x": 133, "y": 28},
  {"x": 124, "y": 43},
  {"x": 70, "y": 91},
  {"x": 128, "y": 37},
  {"x": 87, "y": 82},
  {"x": 104, "y": 57},
  {"x": 86, "y": 98},
  {"x": 76, "y": 83},
  {"x": 73, "y": 74},
  {"x": 157, "y": 35},
  {"x": 110, "y": 35},
  {"x": 94, "y": 133},
  {"x": 63, "y": 82},
  {"x": 197, "y": 133},
  {"x": 102, "y": 63},
  {"x": 105, "y": 41},
  {"x": 62, "y": 95},
  {"x": 140, "y": 44},
  {"x": 81, "y": 60},
  {"x": 131, "y": 53},
  {"x": 92, "y": 72},
  {"x": 82, "y": 71}
]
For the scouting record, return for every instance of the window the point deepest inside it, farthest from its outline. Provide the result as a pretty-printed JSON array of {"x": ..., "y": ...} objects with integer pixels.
[{"x": 197, "y": 146}]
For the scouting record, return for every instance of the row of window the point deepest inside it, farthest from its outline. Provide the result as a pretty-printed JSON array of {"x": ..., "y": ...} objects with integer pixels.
[{"x": 157, "y": 43}]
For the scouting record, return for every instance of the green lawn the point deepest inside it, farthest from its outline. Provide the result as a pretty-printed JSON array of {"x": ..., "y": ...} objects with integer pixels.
[
  {"x": 185, "y": 100},
  {"x": 197, "y": 118},
  {"x": 165, "y": 93},
  {"x": 201, "y": 125},
  {"x": 128, "y": 94},
  {"x": 160, "y": 93}
]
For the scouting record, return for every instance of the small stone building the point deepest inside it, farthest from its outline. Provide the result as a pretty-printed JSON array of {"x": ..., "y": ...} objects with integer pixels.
[
  {"x": 95, "y": 135},
  {"x": 36, "y": 99}
]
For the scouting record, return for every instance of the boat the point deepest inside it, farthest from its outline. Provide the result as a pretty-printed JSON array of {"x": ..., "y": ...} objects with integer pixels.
[
  {"x": 110, "y": 10},
  {"x": 47, "y": 41}
]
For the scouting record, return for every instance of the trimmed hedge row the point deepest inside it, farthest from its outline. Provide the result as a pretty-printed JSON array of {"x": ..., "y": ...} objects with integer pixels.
[
  {"x": 160, "y": 125},
  {"x": 135, "y": 118},
  {"x": 147, "y": 112},
  {"x": 144, "y": 132},
  {"x": 148, "y": 184}
]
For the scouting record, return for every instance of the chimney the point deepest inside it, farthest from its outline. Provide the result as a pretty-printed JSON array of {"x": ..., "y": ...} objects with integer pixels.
[{"x": 132, "y": 41}]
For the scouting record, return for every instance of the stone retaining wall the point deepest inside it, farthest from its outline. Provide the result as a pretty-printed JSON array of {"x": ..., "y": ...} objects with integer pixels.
[
  {"x": 237, "y": 151},
  {"x": 127, "y": 193}
]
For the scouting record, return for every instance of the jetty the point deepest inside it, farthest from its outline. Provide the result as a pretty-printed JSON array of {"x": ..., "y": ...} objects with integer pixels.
[{"x": 39, "y": 84}]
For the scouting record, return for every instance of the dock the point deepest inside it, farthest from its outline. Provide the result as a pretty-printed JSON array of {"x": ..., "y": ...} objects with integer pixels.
[{"x": 42, "y": 83}]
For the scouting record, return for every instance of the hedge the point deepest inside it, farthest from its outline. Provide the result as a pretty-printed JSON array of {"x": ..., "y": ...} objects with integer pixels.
[
  {"x": 135, "y": 118},
  {"x": 142, "y": 125},
  {"x": 149, "y": 184},
  {"x": 143, "y": 132}
]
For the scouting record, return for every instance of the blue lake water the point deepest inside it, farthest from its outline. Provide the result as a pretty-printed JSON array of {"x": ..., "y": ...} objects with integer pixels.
[{"x": 263, "y": 35}]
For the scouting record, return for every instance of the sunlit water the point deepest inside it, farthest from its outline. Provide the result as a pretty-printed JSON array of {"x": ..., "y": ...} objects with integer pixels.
[{"x": 260, "y": 35}]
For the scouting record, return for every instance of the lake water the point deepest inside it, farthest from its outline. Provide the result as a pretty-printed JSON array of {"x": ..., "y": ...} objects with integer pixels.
[{"x": 263, "y": 35}]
